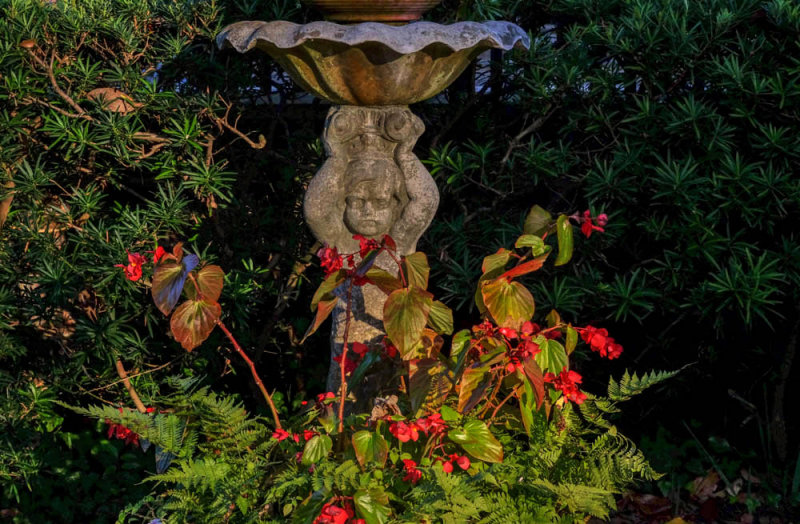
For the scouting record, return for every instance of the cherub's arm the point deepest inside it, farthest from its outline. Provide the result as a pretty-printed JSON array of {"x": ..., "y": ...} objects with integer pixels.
[
  {"x": 423, "y": 199},
  {"x": 324, "y": 202}
]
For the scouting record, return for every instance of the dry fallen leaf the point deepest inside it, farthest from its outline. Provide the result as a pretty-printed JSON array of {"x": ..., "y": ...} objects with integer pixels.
[{"x": 113, "y": 100}]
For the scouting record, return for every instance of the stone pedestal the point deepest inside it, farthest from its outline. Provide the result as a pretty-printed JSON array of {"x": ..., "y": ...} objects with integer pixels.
[{"x": 372, "y": 184}]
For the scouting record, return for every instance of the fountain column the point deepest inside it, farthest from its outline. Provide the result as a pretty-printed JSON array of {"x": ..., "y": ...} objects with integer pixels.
[{"x": 372, "y": 183}]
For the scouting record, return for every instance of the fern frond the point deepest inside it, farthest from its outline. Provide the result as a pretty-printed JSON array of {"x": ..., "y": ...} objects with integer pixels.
[
  {"x": 631, "y": 385},
  {"x": 578, "y": 498}
]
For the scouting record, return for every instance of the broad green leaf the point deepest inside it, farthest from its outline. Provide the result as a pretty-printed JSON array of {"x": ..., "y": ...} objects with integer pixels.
[
  {"x": 535, "y": 378},
  {"x": 449, "y": 414},
  {"x": 309, "y": 510},
  {"x": 493, "y": 266},
  {"x": 416, "y": 269},
  {"x": 476, "y": 439},
  {"x": 537, "y": 245},
  {"x": 404, "y": 317},
  {"x": 316, "y": 449},
  {"x": 384, "y": 280},
  {"x": 552, "y": 357},
  {"x": 324, "y": 309},
  {"x": 193, "y": 321},
  {"x": 429, "y": 382},
  {"x": 565, "y": 241},
  {"x": 509, "y": 303},
  {"x": 168, "y": 279},
  {"x": 370, "y": 447},
  {"x": 210, "y": 280},
  {"x": 526, "y": 406},
  {"x": 537, "y": 222},
  {"x": 372, "y": 505},
  {"x": 441, "y": 318},
  {"x": 325, "y": 290},
  {"x": 572, "y": 339},
  {"x": 473, "y": 384}
]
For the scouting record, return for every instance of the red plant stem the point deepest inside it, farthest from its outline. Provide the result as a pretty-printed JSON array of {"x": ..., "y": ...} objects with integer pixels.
[
  {"x": 131, "y": 390},
  {"x": 399, "y": 267},
  {"x": 494, "y": 413},
  {"x": 253, "y": 371},
  {"x": 495, "y": 391},
  {"x": 343, "y": 386}
]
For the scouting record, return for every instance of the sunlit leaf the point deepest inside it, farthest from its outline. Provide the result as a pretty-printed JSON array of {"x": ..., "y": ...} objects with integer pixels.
[
  {"x": 509, "y": 303},
  {"x": 325, "y": 290},
  {"x": 372, "y": 505},
  {"x": 210, "y": 280},
  {"x": 384, "y": 280},
  {"x": 324, "y": 309},
  {"x": 572, "y": 339},
  {"x": 476, "y": 439},
  {"x": 565, "y": 240},
  {"x": 416, "y": 269},
  {"x": 526, "y": 267},
  {"x": 370, "y": 447},
  {"x": 473, "y": 384},
  {"x": 404, "y": 317},
  {"x": 441, "y": 318},
  {"x": 193, "y": 321},
  {"x": 536, "y": 379},
  {"x": 316, "y": 449},
  {"x": 552, "y": 357}
]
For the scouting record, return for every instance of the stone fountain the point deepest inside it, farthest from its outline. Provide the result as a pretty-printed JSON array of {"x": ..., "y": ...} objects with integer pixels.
[{"x": 372, "y": 183}]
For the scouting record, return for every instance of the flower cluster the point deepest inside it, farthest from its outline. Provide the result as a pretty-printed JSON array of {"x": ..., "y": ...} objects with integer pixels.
[
  {"x": 432, "y": 425},
  {"x": 462, "y": 461},
  {"x": 600, "y": 342},
  {"x": 332, "y": 261},
  {"x": 413, "y": 475},
  {"x": 589, "y": 224},
  {"x": 333, "y": 514},
  {"x": 567, "y": 382},
  {"x": 329, "y": 259},
  {"x": 123, "y": 433},
  {"x": 281, "y": 435},
  {"x": 521, "y": 347},
  {"x": 354, "y": 357},
  {"x": 133, "y": 271}
]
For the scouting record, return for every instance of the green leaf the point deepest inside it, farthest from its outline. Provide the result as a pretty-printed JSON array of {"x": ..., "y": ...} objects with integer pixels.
[
  {"x": 473, "y": 384},
  {"x": 449, "y": 414},
  {"x": 509, "y": 303},
  {"x": 416, "y": 269},
  {"x": 553, "y": 318},
  {"x": 370, "y": 359},
  {"x": 370, "y": 447},
  {"x": 429, "y": 382},
  {"x": 476, "y": 439},
  {"x": 210, "y": 280},
  {"x": 534, "y": 375},
  {"x": 316, "y": 449},
  {"x": 572, "y": 339},
  {"x": 537, "y": 245},
  {"x": 441, "y": 318},
  {"x": 459, "y": 348},
  {"x": 552, "y": 357},
  {"x": 404, "y": 317},
  {"x": 526, "y": 406},
  {"x": 193, "y": 321},
  {"x": 493, "y": 266},
  {"x": 383, "y": 280},
  {"x": 537, "y": 222},
  {"x": 372, "y": 505},
  {"x": 565, "y": 241}
]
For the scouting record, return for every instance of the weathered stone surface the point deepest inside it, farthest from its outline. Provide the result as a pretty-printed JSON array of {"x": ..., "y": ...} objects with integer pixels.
[{"x": 373, "y": 64}]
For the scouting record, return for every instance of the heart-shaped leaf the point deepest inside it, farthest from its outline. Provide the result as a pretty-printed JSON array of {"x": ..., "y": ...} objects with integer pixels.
[
  {"x": 493, "y": 266},
  {"x": 509, "y": 303},
  {"x": 441, "y": 318},
  {"x": 404, "y": 317},
  {"x": 416, "y": 269},
  {"x": 316, "y": 449},
  {"x": 552, "y": 357},
  {"x": 473, "y": 384},
  {"x": 168, "y": 279},
  {"x": 372, "y": 505},
  {"x": 325, "y": 290},
  {"x": 210, "y": 280},
  {"x": 370, "y": 447},
  {"x": 537, "y": 222},
  {"x": 193, "y": 321},
  {"x": 384, "y": 280},
  {"x": 429, "y": 382},
  {"x": 459, "y": 348},
  {"x": 476, "y": 439},
  {"x": 565, "y": 241}
]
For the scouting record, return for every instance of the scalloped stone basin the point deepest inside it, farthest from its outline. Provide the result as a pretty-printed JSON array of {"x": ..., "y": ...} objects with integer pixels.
[
  {"x": 393, "y": 11},
  {"x": 372, "y": 64}
]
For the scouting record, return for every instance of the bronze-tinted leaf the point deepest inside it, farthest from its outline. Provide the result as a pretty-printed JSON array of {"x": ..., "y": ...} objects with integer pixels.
[
  {"x": 416, "y": 269},
  {"x": 210, "y": 280},
  {"x": 404, "y": 317},
  {"x": 429, "y": 382},
  {"x": 509, "y": 303},
  {"x": 193, "y": 321}
]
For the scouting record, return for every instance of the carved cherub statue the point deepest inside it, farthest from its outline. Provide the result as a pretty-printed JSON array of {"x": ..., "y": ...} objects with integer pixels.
[{"x": 371, "y": 184}]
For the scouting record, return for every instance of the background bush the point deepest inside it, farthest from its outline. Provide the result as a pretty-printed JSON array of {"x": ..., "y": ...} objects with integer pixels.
[{"x": 678, "y": 119}]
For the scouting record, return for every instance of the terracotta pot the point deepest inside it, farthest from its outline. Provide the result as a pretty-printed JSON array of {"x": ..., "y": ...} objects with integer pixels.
[{"x": 387, "y": 11}]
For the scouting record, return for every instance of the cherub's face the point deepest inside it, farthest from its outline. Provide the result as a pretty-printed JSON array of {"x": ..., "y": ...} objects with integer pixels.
[{"x": 370, "y": 208}]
